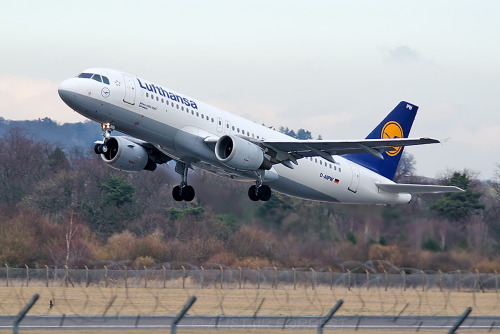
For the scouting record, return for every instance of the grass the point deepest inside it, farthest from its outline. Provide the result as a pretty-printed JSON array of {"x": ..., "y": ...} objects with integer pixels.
[{"x": 215, "y": 301}]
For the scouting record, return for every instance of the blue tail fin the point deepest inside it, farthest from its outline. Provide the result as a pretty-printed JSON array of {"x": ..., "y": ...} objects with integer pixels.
[{"x": 396, "y": 125}]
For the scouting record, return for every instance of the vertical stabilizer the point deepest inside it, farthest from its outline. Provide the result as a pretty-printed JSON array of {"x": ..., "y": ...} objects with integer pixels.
[{"x": 396, "y": 125}]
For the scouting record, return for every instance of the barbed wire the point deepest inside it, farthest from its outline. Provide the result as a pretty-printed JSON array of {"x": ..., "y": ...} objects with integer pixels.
[{"x": 374, "y": 288}]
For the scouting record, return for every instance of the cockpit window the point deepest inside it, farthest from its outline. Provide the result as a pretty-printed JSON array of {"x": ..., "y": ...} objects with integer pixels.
[
  {"x": 97, "y": 77},
  {"x": 85, "y": 75}
]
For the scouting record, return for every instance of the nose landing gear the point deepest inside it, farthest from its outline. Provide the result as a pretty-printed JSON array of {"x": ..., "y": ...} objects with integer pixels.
[{"x": 102, "y": 148}]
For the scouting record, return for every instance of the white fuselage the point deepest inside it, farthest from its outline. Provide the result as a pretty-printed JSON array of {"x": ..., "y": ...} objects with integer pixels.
[{"x": 178, "y": 125}]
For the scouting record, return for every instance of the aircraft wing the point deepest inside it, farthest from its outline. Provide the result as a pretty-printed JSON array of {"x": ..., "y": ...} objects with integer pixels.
[
  {"x": 295, "y": 149},
  {"x": 417, "y": 188}
]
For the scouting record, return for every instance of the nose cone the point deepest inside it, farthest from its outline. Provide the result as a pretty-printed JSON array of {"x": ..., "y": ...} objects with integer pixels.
[{"x": 67, "y": 90}]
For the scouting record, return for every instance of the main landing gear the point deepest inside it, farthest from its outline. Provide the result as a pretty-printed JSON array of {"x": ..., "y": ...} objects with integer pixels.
[
  {"x": 102, "y": 148},
  {"x": 259, "y": 191},
  {"x": 183, "y": 192}
]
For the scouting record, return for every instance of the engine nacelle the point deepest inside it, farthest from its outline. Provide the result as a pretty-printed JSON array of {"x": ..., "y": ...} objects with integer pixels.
[
  {"x": 123, "y": 154},
  {"x": 238, "y": 153}
]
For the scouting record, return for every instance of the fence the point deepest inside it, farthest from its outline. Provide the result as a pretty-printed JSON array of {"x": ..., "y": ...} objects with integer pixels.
[{"x": 268, "y": 278}]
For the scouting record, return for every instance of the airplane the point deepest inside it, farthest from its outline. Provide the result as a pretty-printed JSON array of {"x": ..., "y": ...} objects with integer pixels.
[{"x": 163, "y": 125}]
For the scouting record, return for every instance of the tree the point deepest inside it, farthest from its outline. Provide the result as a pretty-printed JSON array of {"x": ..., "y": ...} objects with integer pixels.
[
  {"x": 118, "y": 191},
  {"x": 458, "y": 207},
  {"x": 406, "y": 167}
]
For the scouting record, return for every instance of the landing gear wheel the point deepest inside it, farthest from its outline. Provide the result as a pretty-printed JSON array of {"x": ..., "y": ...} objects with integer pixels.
[
  {"x": 264, "y": 193},
  {"x": 252, "y": 193},
  {"x": 188, "y": 193},
  {"x": 177, "y": 193},
  {"x": 100, "y": 148}
]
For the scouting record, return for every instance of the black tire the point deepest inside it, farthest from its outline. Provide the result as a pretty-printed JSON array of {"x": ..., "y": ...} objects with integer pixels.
[
  {"x": 264, "y": 193},
  {"x": 176, "y": 194},
  {"x": 188, "y": 193},
  {"x": 252, "y": 193},
  {"x": 97, "y": 148}
]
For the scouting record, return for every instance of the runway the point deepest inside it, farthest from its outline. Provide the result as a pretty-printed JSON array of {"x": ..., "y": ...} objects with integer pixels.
[{"x": 247, "y": 322}]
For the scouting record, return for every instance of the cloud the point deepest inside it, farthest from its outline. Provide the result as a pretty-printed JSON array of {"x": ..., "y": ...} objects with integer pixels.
[{"x": 401, "y": 54}]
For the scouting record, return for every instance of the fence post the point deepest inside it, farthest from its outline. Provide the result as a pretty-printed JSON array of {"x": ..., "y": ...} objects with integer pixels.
[
  {"x": 66, "y": 276},
  {"x": 385, "y": 279},
  {"x": 23, "y": 312},
  {"x": 331, "y": 277},
  {"x": 459, "y": 279},
  {"x": 496, "y": 282},
  {"x": 177, "y": 319},
  {"x": 87, "y": 277},
  {"x": 294, "y": 278},
  {"x": 145, "y": 276},
  {"x": 164, "y": 276},
  {"x": 348, "y": 280},
  {"x": 367, "y": 279},
  {"x": 275, "y": 278},
  {"x": 202, "y": 278},
  {"x": 27, "y": 274},
  {"x": 460, "y": 320},
  {"x": 47, "y": 276},
  {"x": 313, "y": 279},
  {"x": 330, "y": 314},
  {"x": 106, "y": 276},
  {"x": 7, "y": 273},
  {"x": 239, "y": 268},
  {"x": 404, "y": 279},
  {"x": 221, "y": 277},
  {"x": 258, "y": 278},
  {"x": 440, "y": 280},
  {"x": 126, "y": 276},
  {"x": 183, "y": 277}
]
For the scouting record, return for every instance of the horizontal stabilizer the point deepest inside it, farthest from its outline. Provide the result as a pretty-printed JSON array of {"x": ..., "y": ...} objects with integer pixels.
[{"x": 417, "y": 188}]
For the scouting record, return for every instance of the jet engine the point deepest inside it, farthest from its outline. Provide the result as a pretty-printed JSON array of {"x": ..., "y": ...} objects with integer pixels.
[
  {"x": 123, "y": 154},
  {"x": 238, "y": 153}
]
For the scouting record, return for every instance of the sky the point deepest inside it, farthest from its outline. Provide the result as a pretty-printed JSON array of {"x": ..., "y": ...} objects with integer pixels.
[{"x": 335, "y": 68}]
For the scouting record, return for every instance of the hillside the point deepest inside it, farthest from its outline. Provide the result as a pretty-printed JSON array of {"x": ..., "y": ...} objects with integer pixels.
[{"x": 61, "y": 206}]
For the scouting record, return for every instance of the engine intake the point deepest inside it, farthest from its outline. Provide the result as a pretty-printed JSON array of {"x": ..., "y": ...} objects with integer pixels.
[
  {"x": 123, "y": 154},
  {"x": 238, "y": 153}
]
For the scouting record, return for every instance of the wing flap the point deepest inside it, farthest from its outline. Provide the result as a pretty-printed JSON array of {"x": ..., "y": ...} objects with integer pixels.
[
  {"x": 417, "y": 188},
  {"x": 345, "y": 146}
]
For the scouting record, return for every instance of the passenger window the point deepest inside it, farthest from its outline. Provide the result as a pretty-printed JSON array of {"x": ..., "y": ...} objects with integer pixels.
[
  {"x": 197, "y": 114},
  {"x": 192, "y": 112},
  {"x": 152, "y": 97},
  {"x": 321, "y": 163},
  {"x": 157, "y": 99},
  {"x": 105, "y": 80},
  {"x": 213, "y": 120},
  {"x": 147, "y": 94},
  {"x": 168, "y": 103},
  {"x": 97, "y": 77},
  {"x": 233, "y": 127},
  {"x": 162, "y": 101}
]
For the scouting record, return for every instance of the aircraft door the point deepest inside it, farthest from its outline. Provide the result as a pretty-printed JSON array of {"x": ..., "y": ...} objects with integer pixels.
[
  {"x": 355, "y": 178},
  {"x": 219, "y": 124},
  {"x": 129, "y": 89}
]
